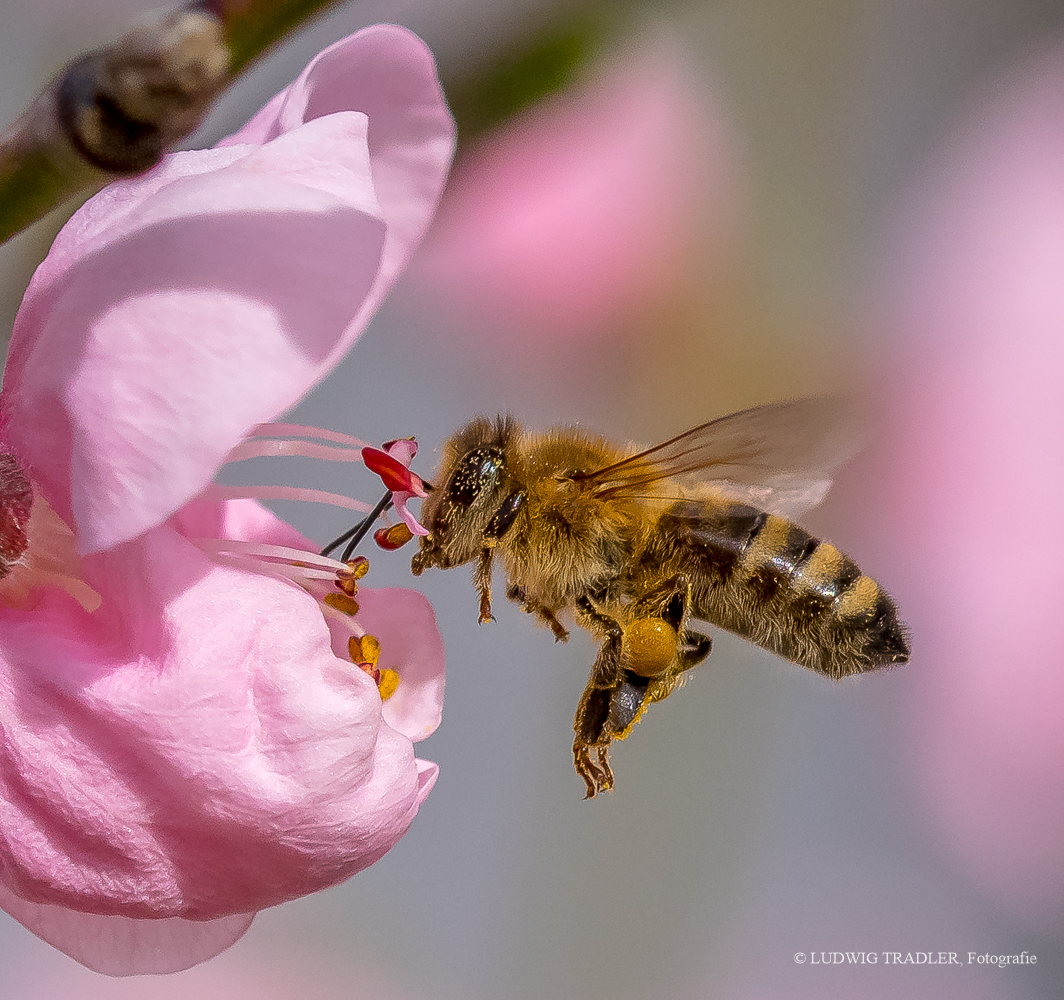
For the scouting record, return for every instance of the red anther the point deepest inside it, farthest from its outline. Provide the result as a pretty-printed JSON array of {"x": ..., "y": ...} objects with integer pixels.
[
  {"x": 393, "y": 538},
  {"x": 16, "y": 499}
]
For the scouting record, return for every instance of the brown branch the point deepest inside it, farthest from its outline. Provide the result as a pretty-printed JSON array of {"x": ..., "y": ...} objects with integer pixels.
[{"x": 115, "y": 111}]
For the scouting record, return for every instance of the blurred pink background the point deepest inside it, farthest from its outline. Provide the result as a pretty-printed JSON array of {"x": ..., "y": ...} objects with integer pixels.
[
  {"x": 590, "y": 208},
  {"x": 975, "y": 305}
]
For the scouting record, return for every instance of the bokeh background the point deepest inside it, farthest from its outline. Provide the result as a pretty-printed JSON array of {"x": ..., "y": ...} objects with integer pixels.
[{"x": 662, "y": 212}]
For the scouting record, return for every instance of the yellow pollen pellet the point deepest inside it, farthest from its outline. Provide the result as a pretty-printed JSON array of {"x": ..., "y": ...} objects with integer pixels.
[
  {"x": 342, "y": 602},
  {"x": 388, "y": 683},
  {"x": 651, "y": 646}
]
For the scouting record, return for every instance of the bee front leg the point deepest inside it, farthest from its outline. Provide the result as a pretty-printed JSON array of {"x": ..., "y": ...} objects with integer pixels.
[
  {"x": 482, "y": 581},
  {"x": 592, "y": 724}
]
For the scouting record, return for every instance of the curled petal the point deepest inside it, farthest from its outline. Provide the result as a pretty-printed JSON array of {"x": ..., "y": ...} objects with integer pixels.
[
  {"x": 141, "y": 377},
  {"x": 389, "y": 74},
  {"x": 427, "y": 773},
  {"x": 400, "y": 501},
  {"x": 402, "y": 450},
  {"x": 177, "y": 310}
]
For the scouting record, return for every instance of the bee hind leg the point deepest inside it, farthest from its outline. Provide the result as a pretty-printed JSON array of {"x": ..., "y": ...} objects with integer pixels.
[
  {"x": 593, "y": 724},
  {"x": 622, "y": 684},
  {"x": 597, "y": 774},
  {"x": 692, "y": 649}
]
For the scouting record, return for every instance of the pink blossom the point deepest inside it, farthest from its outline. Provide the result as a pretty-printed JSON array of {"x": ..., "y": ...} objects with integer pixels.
[
  {"x": 568, "y": 219},
  {"x": 972, "y": 497},
  {"x": 187, "y": 739}
]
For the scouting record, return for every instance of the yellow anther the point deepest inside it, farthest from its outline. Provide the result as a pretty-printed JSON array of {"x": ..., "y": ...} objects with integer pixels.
[
  {"x": 364, "y": 649},
  {"x": 359, "y": 567},
  {"x": 394, "y": 537},
  {"x": 342, "y": 602},
  {"x": 354, "y": 569},
  {"x": 388, "y": 683},
  {"x": 651, "y": 646}
]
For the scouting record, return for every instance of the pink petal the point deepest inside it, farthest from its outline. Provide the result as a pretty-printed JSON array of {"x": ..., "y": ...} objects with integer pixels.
[
  {"x": 402, "y": 450},
  {"x": 177, "y": 310},
  {"x": 195, "y": 748},
  {"x": 427, "y": 773},
  {"x": 120, "y": 946},
  {"x": 390, "y": 74},
  {"x": 402, "y": 619},
  {"x": 417, "y": 705},
  {"x": 400, "y": 500},
  {"x": 142, "y": 376}
]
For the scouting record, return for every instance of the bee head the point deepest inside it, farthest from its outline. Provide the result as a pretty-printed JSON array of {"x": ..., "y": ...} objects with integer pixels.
[{"x": 471, "y": 483}]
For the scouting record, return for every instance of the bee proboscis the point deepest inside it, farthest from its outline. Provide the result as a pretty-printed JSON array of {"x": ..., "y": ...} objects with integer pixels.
[{"x": 634, "y": 545}]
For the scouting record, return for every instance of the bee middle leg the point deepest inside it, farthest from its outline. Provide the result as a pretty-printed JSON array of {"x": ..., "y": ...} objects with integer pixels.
[{"x": 540, "y": 611}]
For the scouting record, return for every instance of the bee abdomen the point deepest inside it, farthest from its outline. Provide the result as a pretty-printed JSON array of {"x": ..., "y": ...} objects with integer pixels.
[{"x": 770, "y": 581}]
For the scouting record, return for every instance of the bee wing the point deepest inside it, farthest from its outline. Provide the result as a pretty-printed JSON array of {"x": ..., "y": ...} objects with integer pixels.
[{"x": 777, "y": 457}]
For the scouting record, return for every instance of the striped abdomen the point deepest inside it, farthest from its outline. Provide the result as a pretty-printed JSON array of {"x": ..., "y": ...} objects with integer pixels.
[{"x": 770, "y": 581}]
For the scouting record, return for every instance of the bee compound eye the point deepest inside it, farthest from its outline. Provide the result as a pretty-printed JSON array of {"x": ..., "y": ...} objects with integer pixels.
[
  {"x": 651, "y": 644},
  {"x": 478, "y": 470}
]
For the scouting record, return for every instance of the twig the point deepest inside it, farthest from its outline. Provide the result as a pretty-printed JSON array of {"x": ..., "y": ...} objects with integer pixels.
[{"x": 114, "y": 112}]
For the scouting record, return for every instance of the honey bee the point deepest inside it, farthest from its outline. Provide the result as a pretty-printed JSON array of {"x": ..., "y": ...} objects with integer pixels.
[{"x": 633, "y": 545}]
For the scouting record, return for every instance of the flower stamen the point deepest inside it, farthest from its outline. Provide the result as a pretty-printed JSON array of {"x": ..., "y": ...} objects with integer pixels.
[
  {"x": 332, "y": 583},
  {"x": 353, "y": 536},
  {"x": 365, "y": 651},
  {"x": 356, "y": 569}
]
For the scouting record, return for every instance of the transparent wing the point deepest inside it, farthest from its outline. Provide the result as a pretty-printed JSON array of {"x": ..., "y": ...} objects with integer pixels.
[{"x": 777, "y": 457}]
